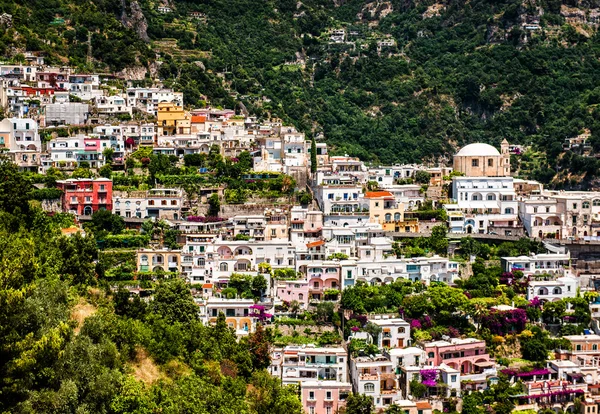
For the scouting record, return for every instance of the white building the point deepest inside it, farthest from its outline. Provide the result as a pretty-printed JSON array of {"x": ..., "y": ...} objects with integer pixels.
[
  {"x": 554, "y": 264},
  {"x": 375, "y": 376},
  {"x": 22, "y": 140},
  {"x": 553, "y": 290},
  {"x": 296, "y": 364},
  {"x": 395, "y": 332},
  {"x": 489, "y": 204}
]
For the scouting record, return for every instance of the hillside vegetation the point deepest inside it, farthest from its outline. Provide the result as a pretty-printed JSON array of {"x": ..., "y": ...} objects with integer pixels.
[{"x": 446, "y": 74}]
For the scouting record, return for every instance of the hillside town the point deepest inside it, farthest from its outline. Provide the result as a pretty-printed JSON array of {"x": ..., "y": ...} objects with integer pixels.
[{"x": 273, "y": 228}]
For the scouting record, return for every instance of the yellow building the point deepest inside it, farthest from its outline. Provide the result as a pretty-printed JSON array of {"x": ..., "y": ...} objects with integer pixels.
[
  {"x": 385, "y": 210},
  {"x": 172, "y": 120}
]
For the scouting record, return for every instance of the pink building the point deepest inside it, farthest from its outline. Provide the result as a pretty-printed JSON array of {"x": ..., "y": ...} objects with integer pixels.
[
  {"x": 467, "y": 355},
  {"x": 324, "y": 397},
  {"x": 290, "y": 290}
]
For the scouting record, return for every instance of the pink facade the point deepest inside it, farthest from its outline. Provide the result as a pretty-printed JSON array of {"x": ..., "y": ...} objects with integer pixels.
[
  {"x": 290, "y": 290},
  {"x": 324, "y": 397},
  {"x": 91, "y": 144},
  {"x": 466, "y": 355}
]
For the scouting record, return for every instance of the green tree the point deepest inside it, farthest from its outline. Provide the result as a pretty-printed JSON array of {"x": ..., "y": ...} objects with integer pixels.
[
  {"x": 359, "y": 404},
  {"x": 108, "y": 154},
  {"x": 214, "y": 205},
  {"x": 313, "y": 156},
  {"x": 104, "y": 220},
  {"x": 422, "y": 177},
  {"x": 14, "y": 189},
  {"x": 174, "y": 303},
  {"x": 105, "y": 171},
  {"x": 417, "y": 389},
  {"x": 259, "y": 285}
]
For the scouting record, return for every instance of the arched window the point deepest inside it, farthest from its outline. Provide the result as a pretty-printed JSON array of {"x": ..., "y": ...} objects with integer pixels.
[
  {"x": 87, "y": 211},
  {"x": 557, "y": 291},
  {"x": 223, "y": 267},
  {"x": 369, "y": 387},
  {"x": 509, "y": 210},
  {"x": 144, "y": 258},
  {"x": 397, "y": 216},
  {"x": 401, "y": 329},
  {"x": 491, "y": 197},
  {"x": 300, "y": 296},
  {"x": 543, "y": 291},
  {"x": 201, "y": 262},
  {"x": 388, "y": 217},
  {"x": 586, "y": 204},
  {"x": 476, "y": 197},
  {"x": 596, "y": 203}
]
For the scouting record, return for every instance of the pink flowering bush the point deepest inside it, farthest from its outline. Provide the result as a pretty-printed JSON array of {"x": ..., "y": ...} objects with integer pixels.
[{"x": 428, "y": 377}]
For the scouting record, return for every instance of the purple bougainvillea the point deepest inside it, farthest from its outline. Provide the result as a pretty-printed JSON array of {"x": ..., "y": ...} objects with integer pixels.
[
  {"x": 415, "y": 324},
  {"x": 503, "y": 322},
  {"x": 535, "y": 302},
  {"x": 202, "y": 219},
  {"x": 428, "y": 377}
]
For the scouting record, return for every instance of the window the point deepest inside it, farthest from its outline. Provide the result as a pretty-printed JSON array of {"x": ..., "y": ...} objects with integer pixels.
[
  {"x": 163, "y": 202},
  {"x": 300, "y": 296},
  {"x": 328, "y": 395},
  {"x": 311, "y": 410},
  {"x": 578, "y": 347},
  {"x": 475, "y": 163},
  {"x": 430, "y": 355},
  {"x": 223, "y": 267},
  {"x": 490, "y": 162},
  {"x": 173, "y": 202},
  {"x": 327, "y": 410},
  {"x": 150, "y": 202},
  {"x": 311, "y": 395},
  {"x": 594, "y": 347},
  {"x": 401, "y": 329},
  {"x": 586, "y": 204},
  {"x": 574, "y": 206},
  {"x": 453, "y": 378},
  {"x": 369, "y": 387}
]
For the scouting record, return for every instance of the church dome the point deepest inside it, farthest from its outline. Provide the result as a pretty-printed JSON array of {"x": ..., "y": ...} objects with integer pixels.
[{"x": 478, "y": 150}]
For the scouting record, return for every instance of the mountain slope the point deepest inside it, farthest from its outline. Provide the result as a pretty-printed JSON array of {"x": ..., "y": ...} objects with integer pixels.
[{"x": 410, "y": 80}]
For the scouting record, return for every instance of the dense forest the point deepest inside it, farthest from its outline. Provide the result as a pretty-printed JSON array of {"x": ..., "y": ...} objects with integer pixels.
[
  {"x": 408, "y": 81},
  {"x": 70, "y": 344}
]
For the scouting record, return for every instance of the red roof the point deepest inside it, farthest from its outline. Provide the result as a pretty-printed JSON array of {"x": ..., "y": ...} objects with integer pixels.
[
  {"x": 207, "y": 286},
  {"x": 423, "y": 405},
  {"x": 315, "y": 244},
  {"x": 198, "y": 119},
  {"x": 378, "y": 194}
]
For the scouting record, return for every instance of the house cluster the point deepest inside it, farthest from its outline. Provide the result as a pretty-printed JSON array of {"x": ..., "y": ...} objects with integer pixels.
[
  {"x": 326, "y": 375},
  {"x": 345, "y": 236}
]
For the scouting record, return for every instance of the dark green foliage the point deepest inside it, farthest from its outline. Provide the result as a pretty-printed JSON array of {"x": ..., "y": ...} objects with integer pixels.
[
  {"x": 104, "y": 221},
  {"x": 45, "y": 194},
  {"x": 359, "y": 404},
  {"x": 214, "y": 205},
  {"x": 173, "y": 302}
]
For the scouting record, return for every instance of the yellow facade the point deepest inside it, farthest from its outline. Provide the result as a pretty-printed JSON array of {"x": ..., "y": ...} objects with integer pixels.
[
  {"x": 172, "y": 120},
  {"x": 383, "y": 208}
]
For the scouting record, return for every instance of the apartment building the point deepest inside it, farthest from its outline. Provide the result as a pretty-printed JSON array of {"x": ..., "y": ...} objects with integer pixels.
[
  {"x": 85, "y": 196},
  {"x": 296, "y": 364},
  {"x": 467, "y": 355},
  {"x": 395, "y": 332}
]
